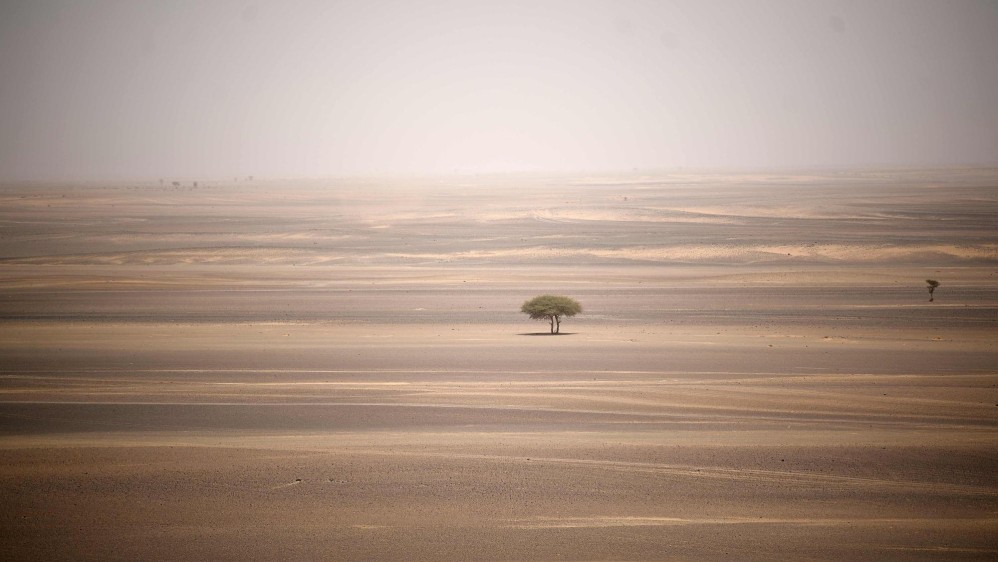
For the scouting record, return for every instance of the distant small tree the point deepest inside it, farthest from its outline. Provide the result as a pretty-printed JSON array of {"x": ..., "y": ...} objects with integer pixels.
[
  {"x": 551, "y": 308},
  {"x": 932, "y": 287}
]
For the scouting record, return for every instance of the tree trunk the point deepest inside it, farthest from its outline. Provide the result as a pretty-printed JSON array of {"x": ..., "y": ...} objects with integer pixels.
[
  {"x": 557, "y": 329},
  {"x": 551, "y": 318}
]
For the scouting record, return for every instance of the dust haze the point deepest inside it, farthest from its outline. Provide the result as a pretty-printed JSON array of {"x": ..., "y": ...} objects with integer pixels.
[
  {"x": 262, "y": 265},
  {"x": 136, "y": 90}
]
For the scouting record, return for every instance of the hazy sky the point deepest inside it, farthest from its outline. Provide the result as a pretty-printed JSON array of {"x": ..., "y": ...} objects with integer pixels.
[{"x": 200, "y": 89}]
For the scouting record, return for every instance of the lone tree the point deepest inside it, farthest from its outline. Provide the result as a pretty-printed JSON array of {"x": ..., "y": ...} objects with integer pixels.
[
  {"x": 932, "y": 287},
  {"x": 551, "y": 308}
]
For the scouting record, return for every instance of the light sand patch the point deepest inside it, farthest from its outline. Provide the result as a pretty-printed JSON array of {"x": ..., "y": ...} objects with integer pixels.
[
  {"x": 638, "y": 214},
  {"x": 191, "y": 256},
  {"x": 635, "y": 521},
  {"x": 747, "y": 253},
  {"x": 381, "y": 220},
  {"x": 773, "y": 212}
]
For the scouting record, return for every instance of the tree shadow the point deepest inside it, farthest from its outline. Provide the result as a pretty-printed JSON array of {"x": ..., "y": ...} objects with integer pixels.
[{"x": 547, "y": 334}]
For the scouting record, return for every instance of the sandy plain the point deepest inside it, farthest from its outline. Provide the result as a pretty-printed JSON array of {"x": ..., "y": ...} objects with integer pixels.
[{"x": 337, "y": 369}]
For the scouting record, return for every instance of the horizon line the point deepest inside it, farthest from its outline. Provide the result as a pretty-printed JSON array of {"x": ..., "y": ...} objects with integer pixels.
[{"x": 428, "y": 175}]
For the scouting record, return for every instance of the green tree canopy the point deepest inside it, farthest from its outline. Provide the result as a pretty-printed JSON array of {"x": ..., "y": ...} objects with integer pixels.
[{"x": 551, "y": 308}]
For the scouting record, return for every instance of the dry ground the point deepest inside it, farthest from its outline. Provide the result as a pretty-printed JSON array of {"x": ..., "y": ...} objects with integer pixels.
[{"x": 338, "y": 369}]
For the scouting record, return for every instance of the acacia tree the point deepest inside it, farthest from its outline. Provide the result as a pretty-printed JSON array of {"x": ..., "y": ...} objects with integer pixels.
[
  {"x": 932, "y": 287},
  {"x": 551, "y": 308}
]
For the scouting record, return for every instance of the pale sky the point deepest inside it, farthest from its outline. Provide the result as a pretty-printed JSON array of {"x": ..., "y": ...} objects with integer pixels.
[{"x": 133, "y": 89}]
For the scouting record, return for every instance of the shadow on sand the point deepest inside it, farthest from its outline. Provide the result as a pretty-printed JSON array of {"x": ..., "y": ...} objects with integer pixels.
[{"x": 547, "y": 334}]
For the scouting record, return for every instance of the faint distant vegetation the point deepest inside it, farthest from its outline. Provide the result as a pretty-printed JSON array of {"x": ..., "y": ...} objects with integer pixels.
[
  {"x": 179, "y": 185},
  {"x": 551, "y": 308},
  {"x": 932, "y": 288}
]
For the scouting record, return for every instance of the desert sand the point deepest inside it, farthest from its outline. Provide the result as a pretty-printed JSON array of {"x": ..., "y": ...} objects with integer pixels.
[{"x": 338, "y": 369}]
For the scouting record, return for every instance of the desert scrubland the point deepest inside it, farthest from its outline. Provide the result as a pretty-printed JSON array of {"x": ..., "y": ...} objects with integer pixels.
[{"x": 338, "y": 369}]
